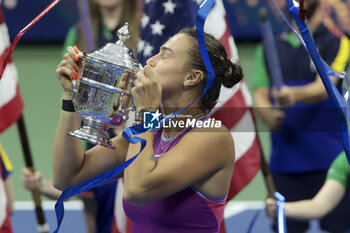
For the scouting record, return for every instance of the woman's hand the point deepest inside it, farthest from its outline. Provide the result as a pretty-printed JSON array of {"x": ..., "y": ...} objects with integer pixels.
[
  {"x": 147, "y": 91},
  {"x": 69, "y": 68},
  {"x": 271, "y": 207}
]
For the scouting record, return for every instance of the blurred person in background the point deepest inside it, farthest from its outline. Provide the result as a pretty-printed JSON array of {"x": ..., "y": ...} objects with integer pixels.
[
  {"x": 335, "y": 15},
  {"x": 107, "y": 16},
  {"x": 329, "y": 196},
  {"x": 305, "y": 136}
]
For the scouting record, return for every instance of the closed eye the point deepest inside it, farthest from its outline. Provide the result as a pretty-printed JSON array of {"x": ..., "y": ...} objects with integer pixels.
[{"x": 165, "y": 52}]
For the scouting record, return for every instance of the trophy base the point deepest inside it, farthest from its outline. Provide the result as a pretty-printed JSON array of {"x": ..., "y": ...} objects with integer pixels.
[{"x": 93, "y": 131}]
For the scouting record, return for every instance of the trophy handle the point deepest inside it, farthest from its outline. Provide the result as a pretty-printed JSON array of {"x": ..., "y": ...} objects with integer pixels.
[
  {"x": 131, "y": 108},
  {"x": 122, "y": 117}
]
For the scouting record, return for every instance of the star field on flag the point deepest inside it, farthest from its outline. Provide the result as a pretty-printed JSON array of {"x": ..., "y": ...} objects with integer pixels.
[{"x": 161, "y": 20}]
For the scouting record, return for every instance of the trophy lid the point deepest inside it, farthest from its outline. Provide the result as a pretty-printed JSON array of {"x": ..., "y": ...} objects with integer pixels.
[{"x": 117, "y": 54}]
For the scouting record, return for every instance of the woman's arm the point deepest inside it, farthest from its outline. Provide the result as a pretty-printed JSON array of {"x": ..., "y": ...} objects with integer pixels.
[
  {"x": 68, "y": 152},
  {"x": 199, "y": 157},
  {"x": 71, "y": 165}
]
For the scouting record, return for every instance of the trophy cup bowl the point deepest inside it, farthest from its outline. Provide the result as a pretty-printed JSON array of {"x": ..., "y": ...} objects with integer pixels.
[{"x": 102, "y": 94}]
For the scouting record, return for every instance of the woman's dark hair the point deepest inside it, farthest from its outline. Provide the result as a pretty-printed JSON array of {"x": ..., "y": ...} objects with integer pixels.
[{"x": 226, "y": 72}]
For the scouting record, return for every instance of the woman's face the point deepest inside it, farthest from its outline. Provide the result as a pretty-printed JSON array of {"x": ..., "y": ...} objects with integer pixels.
[
  {"x": 169, "y": 65},
  {"x": 108, "y": 3}
]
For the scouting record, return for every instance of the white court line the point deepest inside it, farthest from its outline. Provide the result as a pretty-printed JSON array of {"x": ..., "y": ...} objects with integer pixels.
[
  {"x": 235, "y": 207},
  {"x": 48, "y": 205},
  {"x": 232, "y": 207}
]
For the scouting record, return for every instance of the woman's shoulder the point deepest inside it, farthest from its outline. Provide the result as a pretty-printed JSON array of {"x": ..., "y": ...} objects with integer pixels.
[
  {"x": 216, "y": 140},
  {"x": 214, "y": 127}
]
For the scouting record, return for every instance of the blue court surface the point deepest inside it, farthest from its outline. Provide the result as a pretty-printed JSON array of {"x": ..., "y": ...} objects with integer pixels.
[{"x": 238, "y": 217}]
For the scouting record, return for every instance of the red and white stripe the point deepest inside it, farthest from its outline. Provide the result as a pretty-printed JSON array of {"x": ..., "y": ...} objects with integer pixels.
[
  {"x": 11, "y": 104},
  {"x": 234, "y": 109}
]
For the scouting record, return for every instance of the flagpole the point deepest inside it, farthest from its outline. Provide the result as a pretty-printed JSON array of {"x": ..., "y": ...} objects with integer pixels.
[
  {"x": 84, "y": 12},
  {"x": 43, "y": 227},
  {"x": 276, "y": 80},
  {"x": 270, "y": 186}
]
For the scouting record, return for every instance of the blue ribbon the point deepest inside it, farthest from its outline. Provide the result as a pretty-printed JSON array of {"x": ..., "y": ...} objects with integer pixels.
[
  {"x": 201, "y": 16},
  {"x": 281, "y": 218},
  {"x": 130, "y": 132},
  {"x": 295, "y": 15},
  {"x": 95, "y": 181},
  {"x": 324, "y": 71}
]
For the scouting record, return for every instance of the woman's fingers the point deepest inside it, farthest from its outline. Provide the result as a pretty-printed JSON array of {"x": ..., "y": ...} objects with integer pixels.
[
  {"x": 140, "y": 77},
  {"x": 69, "y": 62},
  {"x": 146, "y": 77},
  {"x": 146, "y": 92},
  {"x": 124, "y": 81},
  {"x": 72, "y": 52},
  {"x": 148, "y": 73},
  {"x": 69, "y": 68},
  {"x": 75, "y": 58},
  {"x": 65, "y": 69},
  {"x": 65, "y": 75}
]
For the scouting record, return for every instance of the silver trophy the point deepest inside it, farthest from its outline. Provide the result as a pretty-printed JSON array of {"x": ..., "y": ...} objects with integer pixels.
[{"x": 102, "y": 94}]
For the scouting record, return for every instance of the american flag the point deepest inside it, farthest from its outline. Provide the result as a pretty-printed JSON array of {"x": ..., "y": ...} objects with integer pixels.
[
  {"x": 164, "y": 18},
  {"x": 11, "y": 104},
  {"x": 234, "y": 109}
]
